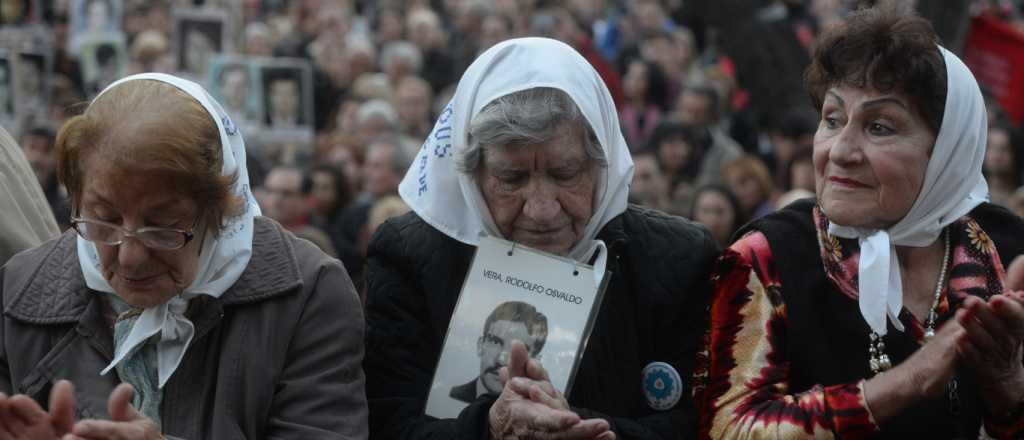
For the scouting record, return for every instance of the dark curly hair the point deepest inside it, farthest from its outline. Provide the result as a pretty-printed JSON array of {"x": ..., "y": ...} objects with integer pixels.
[{"x": 885, "y": 49}]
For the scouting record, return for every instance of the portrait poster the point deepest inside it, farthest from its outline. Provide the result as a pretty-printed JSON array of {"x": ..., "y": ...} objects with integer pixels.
[
  {"x": 20, "y": 12},
  {"x": 6, "y": 89},
  {"x": 104, "y": 60},
  {"x": 31, "y": 85},
  {"x": 286, "y": 99},
  {"x": 200, "y": 34},
  {"x": 233, "y": 83},
  {"x": 94, "y": 19},
  {"x": 513, "y": 292}
]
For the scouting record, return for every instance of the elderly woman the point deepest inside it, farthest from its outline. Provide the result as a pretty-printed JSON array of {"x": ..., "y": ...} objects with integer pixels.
[
  {"x": 532, "y": 152},
  {"x": 883, "y": 310},
  {"x": 172, "y": 295}
]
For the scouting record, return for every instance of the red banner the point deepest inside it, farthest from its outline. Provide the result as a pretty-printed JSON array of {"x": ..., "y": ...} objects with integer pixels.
[{"x": 995, "y": 54}]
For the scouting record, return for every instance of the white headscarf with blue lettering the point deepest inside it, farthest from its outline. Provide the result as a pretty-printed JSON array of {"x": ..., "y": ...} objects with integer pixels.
[
  {"x": 221, "y": 260},
  {"x": 451, "y": 201},
  {"x": 953, "y": 185}
]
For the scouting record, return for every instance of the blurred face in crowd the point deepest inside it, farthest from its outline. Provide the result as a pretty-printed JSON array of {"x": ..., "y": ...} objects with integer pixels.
[
  {"x": 871, "y": 151},
  {"x": 801, "y": 175},
  {"x": 747, "y": 190},
  {"x": 98, "y": 15},
  {"x": 342, "y": 158},
  {"x": 695, "y": 108},
  {"x": 39, "y": 152},
  {"x": 379, "y": 176},
  {"x": 235, "y": 88},
  {"x": 649, "y": 185},
  {"x": 141, "y": 276},
  {"x": 675, "y": 154},
  {"x": 493, "y": 348},
  {"x": 283, "y": 196},
  {"x": 999, "y": 153},
  {"x": 540, "y": 195},
  {"x": 324, "y": 194},
  {"x": 712, "y": 209},
  {"x": 634, "y": 83},
  {"x": 493, "y": 31},
  {"x": 413, "y": 104},
  {"x": 284, "y": 99}
]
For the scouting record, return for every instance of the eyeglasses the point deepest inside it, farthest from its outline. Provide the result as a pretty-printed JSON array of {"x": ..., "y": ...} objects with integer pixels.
[{"x": 163, "y": 239}]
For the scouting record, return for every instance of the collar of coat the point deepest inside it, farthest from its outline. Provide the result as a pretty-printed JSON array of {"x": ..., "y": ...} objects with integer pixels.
[{"x": 48, "y": 287}]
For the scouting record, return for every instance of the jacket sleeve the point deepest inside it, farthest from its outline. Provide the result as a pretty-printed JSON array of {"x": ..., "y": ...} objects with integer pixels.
[
  {"x": 320, "y": 392},
  {"x": 690, "y": 266},
  {"x": 401, "y": 354},
  {"x": 747, "y": 394}
]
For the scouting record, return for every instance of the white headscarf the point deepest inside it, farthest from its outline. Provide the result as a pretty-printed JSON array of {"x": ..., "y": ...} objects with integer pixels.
[
  {"x": 221, "y": 260},
  {"x": 451, "y": 201},
  {"x": 953, "y": 185}
]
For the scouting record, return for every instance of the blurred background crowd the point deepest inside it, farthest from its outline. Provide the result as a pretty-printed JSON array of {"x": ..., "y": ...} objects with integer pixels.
[{"x": 334, "y": 97}]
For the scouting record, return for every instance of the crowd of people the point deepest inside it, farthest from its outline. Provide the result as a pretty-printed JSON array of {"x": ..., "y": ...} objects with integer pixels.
[{"x": 383, "y": 138}]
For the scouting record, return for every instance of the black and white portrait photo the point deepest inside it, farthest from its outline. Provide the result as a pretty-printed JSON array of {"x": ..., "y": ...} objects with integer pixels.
[
  {"x": 199, "y": 37},
  {"x": 232, "y": 81},
  {"x": 103, "y": 61},
  {"x": 31, "y": 92},
  {"x": 94, "y": 19},
  {"x": 287, "y": 92},
  {"x": 510, "y": 321}
]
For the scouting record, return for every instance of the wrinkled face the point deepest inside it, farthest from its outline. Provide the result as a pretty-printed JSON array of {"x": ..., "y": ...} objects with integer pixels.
[
  {"x": 713, "y": 210},
  {"x": 379, "y": 177},
  {"x": 675, "y": 153},
  {"x": 540, "y": 195},
  {"x": 493, "y": 348},
  {"x": 283, "y": 196},
  {"x": 871, "y": 151},
  {"x": 142, "y": 277},
  {"x": 284, "y": 99}
]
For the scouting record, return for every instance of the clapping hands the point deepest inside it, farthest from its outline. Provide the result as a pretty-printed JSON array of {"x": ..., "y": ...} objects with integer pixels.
[
  {"x": 21, "y": 418},
  {"x": 530, "y": 407}
]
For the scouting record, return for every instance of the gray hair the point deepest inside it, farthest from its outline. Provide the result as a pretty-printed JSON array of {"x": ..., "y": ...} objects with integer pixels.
[
  {"x": 401, "y": 50},
  {"x": 377, "y": 108},
  {"x": 529, "y": 116}
]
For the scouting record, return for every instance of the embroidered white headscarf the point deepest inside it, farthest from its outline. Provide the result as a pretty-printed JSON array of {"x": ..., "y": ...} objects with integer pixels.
[
  {"x": 221, "y": 260},
  {"x": 953, "y": 185},
  {"x": 451, "y": 201}
]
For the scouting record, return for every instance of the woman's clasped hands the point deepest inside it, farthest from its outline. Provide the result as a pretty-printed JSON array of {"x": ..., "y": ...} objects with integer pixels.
[
  {"x": 530, "y": 407},
  {"x": 21, "y": 418}
]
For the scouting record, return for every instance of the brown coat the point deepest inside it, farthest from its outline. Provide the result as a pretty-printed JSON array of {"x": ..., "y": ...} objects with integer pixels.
[{"x": 277, "y": 356}]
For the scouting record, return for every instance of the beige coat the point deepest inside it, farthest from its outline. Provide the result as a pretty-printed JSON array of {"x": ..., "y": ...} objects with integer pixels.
[
  {"x": 25, "y": 217},
  {"x": 278, "y": 355}
]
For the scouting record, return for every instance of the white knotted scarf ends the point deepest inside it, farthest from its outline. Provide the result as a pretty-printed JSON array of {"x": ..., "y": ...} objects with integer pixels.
[
  {"x": 451, "y": 201},
  {"x": 953, "y": 186},
  {"x": 221, "y": 260}
]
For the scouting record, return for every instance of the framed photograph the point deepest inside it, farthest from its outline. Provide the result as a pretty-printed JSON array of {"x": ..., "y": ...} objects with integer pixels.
[
  {"x": 233, "y": 83},
  {"x": 514, "y": 293},
  {"x": 200, "y": 34},
  {"x": 31, "y": 88},
  {"x": 6, "y": 87},
  {"x": 94, "y": 18},
  {"x": 104, "y": 60},
  {"x": 20, "y": 12},
  {"x": 286, "y": 85}
]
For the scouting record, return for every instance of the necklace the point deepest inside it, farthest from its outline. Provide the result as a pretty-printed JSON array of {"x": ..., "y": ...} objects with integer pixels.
[{"x": 879, "y": 360}]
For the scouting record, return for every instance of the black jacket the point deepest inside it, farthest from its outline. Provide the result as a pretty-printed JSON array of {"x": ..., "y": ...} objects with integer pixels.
[{"x": 653, "y": 310}]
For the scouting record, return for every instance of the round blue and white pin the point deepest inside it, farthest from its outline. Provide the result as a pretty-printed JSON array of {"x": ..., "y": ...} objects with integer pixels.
[{"x": 662, "y": 385}]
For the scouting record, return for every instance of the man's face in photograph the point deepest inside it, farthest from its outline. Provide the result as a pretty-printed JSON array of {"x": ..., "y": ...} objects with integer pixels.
[
  {"x": 493, "y": 349},
  {"x": 235, "y": 88},
  {"x": 284, "y": 99}
]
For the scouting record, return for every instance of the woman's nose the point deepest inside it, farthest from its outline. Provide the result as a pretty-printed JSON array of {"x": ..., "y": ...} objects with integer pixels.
[
  {"x": 542, "y": 203},
  {"x": 131, "y": 253},
  {"x": 846, "y": 149}
]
